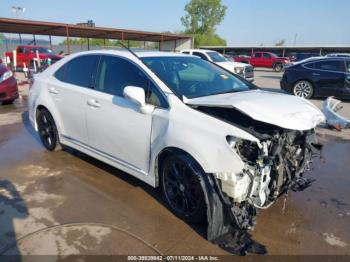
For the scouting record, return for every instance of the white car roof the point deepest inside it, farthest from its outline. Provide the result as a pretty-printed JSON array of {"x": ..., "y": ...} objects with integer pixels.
[
  {"x": 127, "y": 54},
  {"x": 198, "y": 50}
]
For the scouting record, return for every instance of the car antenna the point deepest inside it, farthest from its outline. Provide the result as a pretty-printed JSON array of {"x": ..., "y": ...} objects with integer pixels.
[{"x": 127, "y": 48}]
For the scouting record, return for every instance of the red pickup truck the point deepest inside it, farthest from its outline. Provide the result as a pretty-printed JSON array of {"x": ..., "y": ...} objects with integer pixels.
[
  {"x": 26, "y": 54},
  {"x": 264, "y": 59}
]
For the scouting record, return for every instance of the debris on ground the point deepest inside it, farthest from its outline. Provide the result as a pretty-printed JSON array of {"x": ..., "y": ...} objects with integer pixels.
[{"x": 331, "y": 108}]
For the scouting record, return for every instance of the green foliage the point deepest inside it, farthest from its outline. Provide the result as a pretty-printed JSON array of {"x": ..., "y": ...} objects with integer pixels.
[
  {"x": 110, "y": 43},
  {"x": 280, "y": 42},
  {"x": 201, "y": 20},
  {"x": 208, "y": 40},
  {"x": 203, "y": 16}
]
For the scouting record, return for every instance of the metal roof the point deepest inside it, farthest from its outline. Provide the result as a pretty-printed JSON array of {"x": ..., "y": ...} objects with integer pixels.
[{"x": 8, "y": 25}]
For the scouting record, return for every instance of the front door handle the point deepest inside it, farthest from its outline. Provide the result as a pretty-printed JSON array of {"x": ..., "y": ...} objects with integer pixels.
[
  {"x": 93, "y": 103},
  {"x": 53, "y": 90}
]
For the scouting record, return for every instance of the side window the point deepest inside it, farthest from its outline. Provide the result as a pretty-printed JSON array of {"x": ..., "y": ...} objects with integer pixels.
[
  {"x": 333, "y": 65},
  {"x": 266, "y": 55},
  {"x": 203, "y": 56},
  {"x": 348, "y": 66},
  {"x": 78, "y": 71},
  {"x": 115, "y": 74},
  {"x": 186, "y": 52},
  {"x": 257, "y": 55},
  {"x": 20, "y": 50}
]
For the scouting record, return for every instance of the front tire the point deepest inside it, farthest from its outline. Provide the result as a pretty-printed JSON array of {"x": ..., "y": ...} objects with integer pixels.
[
  {"x": 303, "y": 89},
  {"x": 48, "y": 131},
  {"x": 180, "y": 182}
]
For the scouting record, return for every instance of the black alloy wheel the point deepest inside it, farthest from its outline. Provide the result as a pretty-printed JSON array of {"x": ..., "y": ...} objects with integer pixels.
[
  {"x": 182, "y": 189},
  {"x": 48, "y": 131}
]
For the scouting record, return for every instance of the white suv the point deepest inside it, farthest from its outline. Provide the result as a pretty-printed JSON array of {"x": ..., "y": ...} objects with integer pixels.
[
  {"x": 244, "y": 70},
  {"x": 181, "y": 123}
]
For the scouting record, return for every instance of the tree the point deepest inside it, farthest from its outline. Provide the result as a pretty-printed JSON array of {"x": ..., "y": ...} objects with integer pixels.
[
  {"x": 280, "y": 42},
  {"x": 203, "y": 16},
  {"x": 201, "y": 20}
]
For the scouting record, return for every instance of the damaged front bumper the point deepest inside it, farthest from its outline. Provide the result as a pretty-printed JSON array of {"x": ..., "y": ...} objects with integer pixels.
[{"x": 271, "y": 169}]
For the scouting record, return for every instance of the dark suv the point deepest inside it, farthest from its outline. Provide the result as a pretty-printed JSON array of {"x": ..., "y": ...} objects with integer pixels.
[{"x": 319, "y": 77}]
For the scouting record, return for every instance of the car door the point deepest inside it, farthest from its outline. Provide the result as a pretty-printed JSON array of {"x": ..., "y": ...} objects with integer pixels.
[
  {"x": 256, "y": 59},
  {"x": 116, "y": 128},
  {"x": 329, "y": 77},
  {"x": 69, "y": 90},
  {"x": 266, "y": 60},
  {"x": 21, "y": 53}
]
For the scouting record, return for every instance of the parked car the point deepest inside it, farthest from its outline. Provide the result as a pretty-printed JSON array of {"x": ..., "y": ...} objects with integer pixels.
[
  {"x": 209, "y": 139},
  {"x": 27, "y": 54},
  {"x": 265, "y": 59},
  {"x": 338, "y": 55},
  {"x": 318, "y": 77},
  {"x": 297, "y": 57},
  {"x": 243, "y": 70},
  {"x": 8, "y": 86}
]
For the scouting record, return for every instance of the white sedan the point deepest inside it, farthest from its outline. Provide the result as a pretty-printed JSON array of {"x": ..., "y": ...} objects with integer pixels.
[{"x": 181, "y": 123}]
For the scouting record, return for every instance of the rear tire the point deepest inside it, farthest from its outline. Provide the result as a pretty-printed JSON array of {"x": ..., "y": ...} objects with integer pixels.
[
  {"x": 278, "y": 67},
  {"x": 303, "y": 89},
  {"x": 182, "y": 191},
  {"x": 48, "y": 131}
]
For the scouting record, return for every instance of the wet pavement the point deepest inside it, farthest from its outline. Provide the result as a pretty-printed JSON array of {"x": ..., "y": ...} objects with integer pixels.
[{"x": 68, "y": 203}]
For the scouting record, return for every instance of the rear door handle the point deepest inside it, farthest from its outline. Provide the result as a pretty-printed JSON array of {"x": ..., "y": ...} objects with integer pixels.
[
  {"x": 93, "y": 103},
  {"x": 53, "y": 90}
]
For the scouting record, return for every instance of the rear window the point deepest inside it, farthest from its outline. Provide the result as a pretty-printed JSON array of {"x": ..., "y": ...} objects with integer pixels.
[{"x": 78, "y": 71}]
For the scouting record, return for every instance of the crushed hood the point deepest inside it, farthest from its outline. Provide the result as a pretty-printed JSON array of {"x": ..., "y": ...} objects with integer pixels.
[{"x": 282, "y": 110}]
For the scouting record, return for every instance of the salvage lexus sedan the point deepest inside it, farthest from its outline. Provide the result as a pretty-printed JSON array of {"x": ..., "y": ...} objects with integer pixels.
[{"x": 217, "y": 146}]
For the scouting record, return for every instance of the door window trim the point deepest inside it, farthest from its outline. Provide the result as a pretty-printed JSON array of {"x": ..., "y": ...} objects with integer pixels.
[
  {"x": 163, "y": 100},
  {"x": 92, "y": 77},
  {"x": 306, "y": 66}
]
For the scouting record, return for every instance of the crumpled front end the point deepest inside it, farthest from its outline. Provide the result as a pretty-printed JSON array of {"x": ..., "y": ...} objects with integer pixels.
[{"x": 271, "y": 169}]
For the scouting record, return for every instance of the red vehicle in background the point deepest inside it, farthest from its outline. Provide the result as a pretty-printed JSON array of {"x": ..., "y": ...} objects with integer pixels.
[
  {"x": 264, "y": 59},
  {"x": 27, "y": 54},
  {"x": 8, "y": 86}
]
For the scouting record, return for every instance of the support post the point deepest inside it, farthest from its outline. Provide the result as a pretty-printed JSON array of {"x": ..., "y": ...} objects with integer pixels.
[
  {"x": 50, "y": 39},
  {"x": 175, "y": 45},
  {"x": 67, "y": 37},
  {"x": 34, "y": 39},
  {"x": 104, "y": 43},
  {"x": 88, "y": 44},
  {"x": 161, "y": 43},
  {"x": 128, "y": 43},
  {"x": 20, "y": 38}
]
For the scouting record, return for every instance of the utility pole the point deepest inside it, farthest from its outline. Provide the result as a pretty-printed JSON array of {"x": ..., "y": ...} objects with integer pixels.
[
  {"x": 295, "y": 39},
  {"x": 16, "y": 10}
]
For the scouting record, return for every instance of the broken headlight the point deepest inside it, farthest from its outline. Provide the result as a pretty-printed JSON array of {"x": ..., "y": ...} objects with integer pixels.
[{"x": 249, "y": 151}]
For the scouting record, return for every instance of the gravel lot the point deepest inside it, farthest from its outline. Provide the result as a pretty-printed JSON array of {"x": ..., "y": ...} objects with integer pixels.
[{"x": 68, "y": 203}]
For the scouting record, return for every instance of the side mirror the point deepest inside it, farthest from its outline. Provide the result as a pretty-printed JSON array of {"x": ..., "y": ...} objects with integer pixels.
[{"x": 137, "y": 95}]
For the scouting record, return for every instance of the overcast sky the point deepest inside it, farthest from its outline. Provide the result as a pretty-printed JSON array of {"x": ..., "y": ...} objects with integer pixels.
[{"x": 247, "y": 22}]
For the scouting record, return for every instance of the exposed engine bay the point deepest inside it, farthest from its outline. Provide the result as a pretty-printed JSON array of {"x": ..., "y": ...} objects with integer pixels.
[{"x": 271, "y": 169}]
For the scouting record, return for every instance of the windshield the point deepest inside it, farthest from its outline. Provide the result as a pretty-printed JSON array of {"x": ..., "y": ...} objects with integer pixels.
[
  {"x": 193, "y": 77},
  {"x": 216, "y": 57},
  {"x": 42, "y": 50},
  {"x": 273, "y": 55}
]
